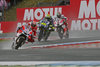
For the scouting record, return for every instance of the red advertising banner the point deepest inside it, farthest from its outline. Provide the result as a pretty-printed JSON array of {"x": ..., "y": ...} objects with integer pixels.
[
  {"x": 8, "y": 27},
  {"x": 81, "y": 14}
]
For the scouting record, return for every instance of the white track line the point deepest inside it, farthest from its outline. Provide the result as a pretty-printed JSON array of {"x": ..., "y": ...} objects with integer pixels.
[
  {"x": 40, "y": 46},
  {"x": 50, "y": 62}
]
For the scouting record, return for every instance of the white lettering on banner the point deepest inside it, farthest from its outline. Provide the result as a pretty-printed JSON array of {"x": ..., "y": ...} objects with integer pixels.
[
  {"x": 76, "y": 25},
  {"x": 98, "y": 8},
  {"x": 51, "y": 12},
  {"x": 46, "y": 11},
  {"x": 87, "y": 16},
  {"x": 31, "y": 14},
  {"x": 38, "y": 17},
  {"x": 87, "y": 10},
  {"x": 55, "y": 12},
  {"x": 86, "y": 25},
  {"x": 28, "y": 15},
  {"x": 0, "y": 30},
  {"x": 20, "y": 24},
  {"x": 92, "y": 24},
  {"x": 24, "y": 23},
  {"x": 99, "y": 24},
  {"x": 93, "y": 21}
]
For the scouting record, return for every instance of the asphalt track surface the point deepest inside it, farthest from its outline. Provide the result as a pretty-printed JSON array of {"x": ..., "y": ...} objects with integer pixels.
[{"x": 52, "y": 54}]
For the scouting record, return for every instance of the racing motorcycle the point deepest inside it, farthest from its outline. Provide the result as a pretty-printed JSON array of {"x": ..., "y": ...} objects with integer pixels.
[
  {"x": 45, "y": 30},
  {"x": 59, "y": 24},
  {"x": 20, "y": 40}
]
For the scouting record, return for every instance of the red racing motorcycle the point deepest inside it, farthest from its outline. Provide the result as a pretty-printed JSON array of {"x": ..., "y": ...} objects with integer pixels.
[
  {"x": 21, "y": 39},
  {"x": 61, "y": 29}
]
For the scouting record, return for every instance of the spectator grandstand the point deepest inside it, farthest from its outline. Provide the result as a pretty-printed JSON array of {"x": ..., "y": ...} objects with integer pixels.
[{"x": 5, "y": 5}]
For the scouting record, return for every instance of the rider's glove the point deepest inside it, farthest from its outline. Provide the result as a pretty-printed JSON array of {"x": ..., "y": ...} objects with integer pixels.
[
  {"x": 53, "y": 27},
  {"x": 50, "y": 25}
]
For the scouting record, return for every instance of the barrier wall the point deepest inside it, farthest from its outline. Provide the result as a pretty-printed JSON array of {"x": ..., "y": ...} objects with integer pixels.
[
  {"x": 8, "y": 27},
  {"x": 81, "y": 14}
]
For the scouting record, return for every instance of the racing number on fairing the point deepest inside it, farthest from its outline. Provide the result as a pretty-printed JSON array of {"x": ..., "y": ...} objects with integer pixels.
[{"x": 0, "y": 29}]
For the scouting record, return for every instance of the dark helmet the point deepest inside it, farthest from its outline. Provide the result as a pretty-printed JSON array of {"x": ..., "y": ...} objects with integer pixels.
[
  {"x": 58, "y": 14},
  {"x": 33, "y": 23},
  {"x": 48, "y": 16}
]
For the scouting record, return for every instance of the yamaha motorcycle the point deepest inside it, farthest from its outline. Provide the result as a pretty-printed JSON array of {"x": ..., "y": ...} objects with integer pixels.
[{"x": 45, "y": 30}]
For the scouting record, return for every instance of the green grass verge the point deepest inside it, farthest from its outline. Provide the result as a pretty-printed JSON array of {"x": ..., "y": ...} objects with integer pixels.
[
  {"x": 10, "y": 15},
  {"x": 12, "y": 66},
  {"x": 16, "y": 66}
]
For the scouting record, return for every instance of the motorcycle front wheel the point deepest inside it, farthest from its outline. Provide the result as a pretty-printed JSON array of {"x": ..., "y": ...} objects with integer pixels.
[
  {"x": 21, "y": 41},
  {"x": 13, "y": 45},
  {"x": 46, "y": 35},
  {"x": 40, "y": 35},
  {"x": 60, "y": 32}
]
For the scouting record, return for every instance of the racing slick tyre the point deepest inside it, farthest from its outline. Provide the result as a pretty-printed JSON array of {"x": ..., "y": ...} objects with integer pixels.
[
  {"x": 60, "y": 32},
  {"x": 20, "y": 42},
  {"x": 67, "y": 34},
  {"x": 13, "y": 45},
  {"x": 46, "y": 36},
  {"x": 40, "y": 35}
]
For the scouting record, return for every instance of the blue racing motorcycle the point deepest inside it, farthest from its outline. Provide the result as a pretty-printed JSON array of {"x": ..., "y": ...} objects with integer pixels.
[{"x": 45, "y": 30}]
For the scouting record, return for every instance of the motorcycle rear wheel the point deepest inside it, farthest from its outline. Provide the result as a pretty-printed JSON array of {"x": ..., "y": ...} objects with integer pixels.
[
  {"x": 47, "y": 35},
  {"x": 67, "y": 34}
]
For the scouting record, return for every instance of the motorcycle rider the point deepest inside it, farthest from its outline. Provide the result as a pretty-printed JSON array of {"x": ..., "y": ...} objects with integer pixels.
[
  {"x": 50, "y": 21},
  {"x": 34, "y": 28},
  {"x": 61, "y": 16},
  {"x": 28, "y": 28}
]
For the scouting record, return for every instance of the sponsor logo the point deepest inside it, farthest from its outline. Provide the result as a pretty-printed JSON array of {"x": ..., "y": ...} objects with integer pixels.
[
  {"x": 87, "y": 18},
  {"x": 39, "y": 13}
]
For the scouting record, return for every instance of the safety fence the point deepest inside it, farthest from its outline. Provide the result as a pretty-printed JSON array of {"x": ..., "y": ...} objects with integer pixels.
[{"x": 52, "y": 3}]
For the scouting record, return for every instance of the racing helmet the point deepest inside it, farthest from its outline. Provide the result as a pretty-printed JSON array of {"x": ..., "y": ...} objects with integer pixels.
[
  {"x": 58, "y": 14},
  {"x": 28, "y": 25},
  {"x": 48, "y": 16},
  {"x": 33, "y": 23}
]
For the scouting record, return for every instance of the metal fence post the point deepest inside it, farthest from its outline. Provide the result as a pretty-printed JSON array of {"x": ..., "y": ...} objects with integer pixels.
[{"x": 3, "y": 7}]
